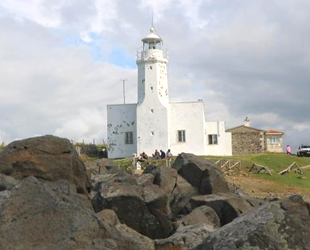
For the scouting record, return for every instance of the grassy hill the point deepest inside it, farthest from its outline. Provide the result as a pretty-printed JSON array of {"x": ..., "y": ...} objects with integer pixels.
[{"x": 277, "y": 163}]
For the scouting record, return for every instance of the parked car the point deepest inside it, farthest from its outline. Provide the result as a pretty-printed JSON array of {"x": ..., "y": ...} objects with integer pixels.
[{"x": 303, "y": 150}]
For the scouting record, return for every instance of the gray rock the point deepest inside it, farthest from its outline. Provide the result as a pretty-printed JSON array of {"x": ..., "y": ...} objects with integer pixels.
[
  {"x": 164, "y": 177},
  {"x": 202, "y": 174},
  {"x": 46, "y": 157},
  {"x": 203, "y": 214},
  {"x": 44, "y": 218},
  {"x": 38, "y": 214},
  {"x": 278, "y": 225},
  {"x": 7, "y": 182},
  {"x": 181, "y": 194},
  {"x": 186, "y": 237},
  {"x": 227, "y": 206},
  {"x": 145, "y": 209}
]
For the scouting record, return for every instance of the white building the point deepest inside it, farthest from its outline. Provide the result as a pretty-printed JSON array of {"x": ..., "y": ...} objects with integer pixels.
[{"x": 155, "y": 122}]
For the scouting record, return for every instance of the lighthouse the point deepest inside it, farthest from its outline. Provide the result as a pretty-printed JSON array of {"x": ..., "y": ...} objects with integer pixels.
[
  {"x": 153, "y": 99},
  {"x": 154, "y": 122}
]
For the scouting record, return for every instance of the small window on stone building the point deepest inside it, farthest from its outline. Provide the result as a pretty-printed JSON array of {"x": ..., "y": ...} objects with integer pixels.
[
  {"x": 152, "y": 111},
  {"x": 152, "y": 133},
  {"x": 129, "y": 138},
  {"x": 151, "y": 67},
  {"x": 181, "y": 136},
  {"x": 274, "y": 140},
  {"x": 143, "y": 81},
  {"x": 151, "y": 87},
  {"x": 213, "y": 140}
]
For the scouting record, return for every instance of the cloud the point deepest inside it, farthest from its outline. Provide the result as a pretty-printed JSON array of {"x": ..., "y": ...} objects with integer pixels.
[{"x": 62, "y": 60}]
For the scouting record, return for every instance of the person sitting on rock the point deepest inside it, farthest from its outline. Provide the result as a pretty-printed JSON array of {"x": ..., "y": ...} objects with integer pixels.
[
  {"x": 144, "y": 155},
  {"x": 162, "y": 154},
  {"x": 156, "y": 155},
  {"x": 169, "y": 154},
  {"x": 140, "y": 158}
]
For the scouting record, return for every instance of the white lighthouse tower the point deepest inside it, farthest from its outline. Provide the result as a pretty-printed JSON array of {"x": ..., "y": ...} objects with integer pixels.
[
  {"x": 153, "y": 99},
  {"x": 156, "y": 123}
]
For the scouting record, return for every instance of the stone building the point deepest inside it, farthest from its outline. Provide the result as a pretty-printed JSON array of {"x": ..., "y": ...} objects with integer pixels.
[
  {"x": 156, "y": 123},
  {"x": 248, "y": 140},
  {"x": 274, "y": 141}
]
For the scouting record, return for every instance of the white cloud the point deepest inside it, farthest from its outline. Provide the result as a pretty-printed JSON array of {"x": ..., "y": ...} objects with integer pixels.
[{"x": 244, "y": 58}]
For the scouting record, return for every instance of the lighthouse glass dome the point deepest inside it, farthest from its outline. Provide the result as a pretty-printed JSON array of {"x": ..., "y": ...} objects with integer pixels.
[{"x": 152, "y": 41}]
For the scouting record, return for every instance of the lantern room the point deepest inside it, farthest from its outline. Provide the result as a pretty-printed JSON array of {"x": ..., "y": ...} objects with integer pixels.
[{"x": 152, "y": 41}]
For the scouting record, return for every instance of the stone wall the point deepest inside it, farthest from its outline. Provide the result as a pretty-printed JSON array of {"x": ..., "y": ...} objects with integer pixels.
[{"x": 246, "y": 140}]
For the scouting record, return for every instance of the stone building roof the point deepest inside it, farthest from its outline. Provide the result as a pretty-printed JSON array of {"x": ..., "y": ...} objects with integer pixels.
[
  {"x": 274, "y": 132},
  {"x": 242, "y": 128}
]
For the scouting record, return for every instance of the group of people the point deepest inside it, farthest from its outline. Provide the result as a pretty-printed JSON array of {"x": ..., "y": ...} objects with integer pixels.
[
  {"x": 157, "y": 155},
  {"x": 161, "y": 154}
]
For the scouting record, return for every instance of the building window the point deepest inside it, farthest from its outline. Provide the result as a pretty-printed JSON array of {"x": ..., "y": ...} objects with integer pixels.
[
  {"x": 213, "y": 140},
  {"x": 152, "y": 133},
  {"x": 181, "y": 136},
  {"x": 274, "y": 140},
  {"x": 129, "y": 138}
]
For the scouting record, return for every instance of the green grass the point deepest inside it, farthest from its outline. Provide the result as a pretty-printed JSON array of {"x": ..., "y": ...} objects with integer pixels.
[{"x": 276, "y": 163}]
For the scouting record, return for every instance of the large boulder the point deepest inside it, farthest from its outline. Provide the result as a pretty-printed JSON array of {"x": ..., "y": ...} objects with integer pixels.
[
  {"x": 164, "y": 177},
  {"x": 143, "y": 208},
  {"x": 38, "y": 214},
  {"x": 202, "y": 174},
  {"x": 227, "y": 206},
  {"x": 45, "y": 157},
  {"x": 181, "y": 194},
  {"x": 203, "y": 214},
  {"x": 278, "y": 225},
  {"x": 46, "y": 216}
]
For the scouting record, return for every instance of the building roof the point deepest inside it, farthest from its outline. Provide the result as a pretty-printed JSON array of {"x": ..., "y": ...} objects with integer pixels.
[
  {"x": 151, "y": 37},
  {"x": 243, "y": 126},
  {"x": 274, "y": 132}
]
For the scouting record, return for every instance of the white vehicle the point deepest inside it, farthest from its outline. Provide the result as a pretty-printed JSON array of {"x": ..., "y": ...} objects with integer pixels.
[{"x": 303, "y": 150}]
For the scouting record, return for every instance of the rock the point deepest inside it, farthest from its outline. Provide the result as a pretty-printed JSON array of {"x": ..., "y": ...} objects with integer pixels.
[
  {"x": 278, "y": 225},
  {"x": 202, "y": 174},
  {"x": 145, "y": 179},
  {"x": 186, "y": 237},
  {"x": 164, "y": 177},
  {"x": 129, "y": 239},
  {"x": 41, "y": 217},
  {"x": 227, "y": 206},
  {"x": 145, "y": 209},
  {"x": 109, "y": 216},
  {"x": 181, "y": 194},
  {"x": 7, "y": 182},
  {"x": 203, "y": 214},
  {"x": 51, "y": 215},
  {"x": 46, "y": 157}
]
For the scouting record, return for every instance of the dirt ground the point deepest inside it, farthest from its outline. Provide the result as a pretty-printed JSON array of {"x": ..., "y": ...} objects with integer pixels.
[{"x": 259, "y": 188}]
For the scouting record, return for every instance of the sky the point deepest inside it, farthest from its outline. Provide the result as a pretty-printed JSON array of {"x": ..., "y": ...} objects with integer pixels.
[{"x": 62, "y": 61}]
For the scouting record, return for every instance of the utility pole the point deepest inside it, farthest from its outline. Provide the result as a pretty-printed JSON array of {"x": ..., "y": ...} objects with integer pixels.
[{"x": 124, "y": 80}]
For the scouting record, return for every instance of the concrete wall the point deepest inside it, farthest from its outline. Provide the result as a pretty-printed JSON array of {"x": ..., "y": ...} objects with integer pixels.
[
  {"x": 188, "y": 116},
  {"x": 274, "y": 147},
  {"x": 121, "y": 119},
  {"x": 224, "y": 145},
  {"x": 247, "y": 141}
]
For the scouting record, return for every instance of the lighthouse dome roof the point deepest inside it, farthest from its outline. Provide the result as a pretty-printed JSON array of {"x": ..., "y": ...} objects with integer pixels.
[{"x": 152, "y": 36}]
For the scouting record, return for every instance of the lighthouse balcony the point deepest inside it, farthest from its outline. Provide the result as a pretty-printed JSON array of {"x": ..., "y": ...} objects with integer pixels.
[{"x": 151, "y": 54}]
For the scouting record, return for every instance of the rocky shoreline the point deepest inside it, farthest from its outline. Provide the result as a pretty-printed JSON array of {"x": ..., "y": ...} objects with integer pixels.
[{"x": 47, "y": 201}]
